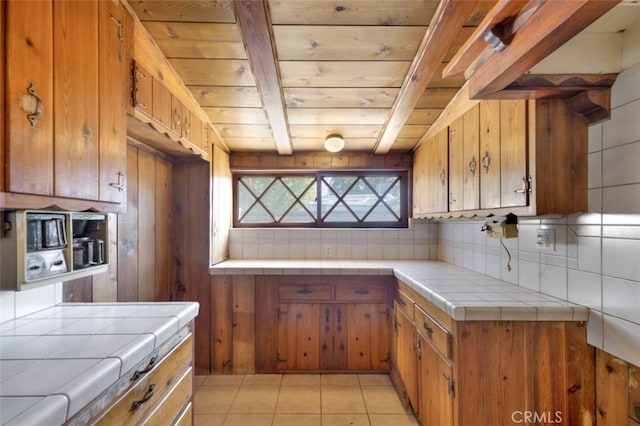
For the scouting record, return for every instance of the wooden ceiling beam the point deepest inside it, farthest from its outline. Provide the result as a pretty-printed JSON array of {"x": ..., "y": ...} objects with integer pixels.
[
  {"x": 550, "y": 26},
  {"x": 476, "y": 44},
  {"x": 443, "y": 30},
  {"x": 255, "y": 27}
]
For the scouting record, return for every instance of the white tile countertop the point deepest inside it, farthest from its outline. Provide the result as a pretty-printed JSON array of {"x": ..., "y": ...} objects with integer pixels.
[
  {"x": 464, "y": 295},
  {"x": 55, "y": 361}
]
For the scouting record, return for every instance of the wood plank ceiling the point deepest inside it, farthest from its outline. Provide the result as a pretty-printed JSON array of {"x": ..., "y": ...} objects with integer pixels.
[{"x": 350, "y": 67}]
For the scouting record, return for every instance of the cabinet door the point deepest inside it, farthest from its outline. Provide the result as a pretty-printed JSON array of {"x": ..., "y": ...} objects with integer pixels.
[
  {"x": 436, "y": 387},
  {"x": 513, "y": 153},
  {"x": 333, "y": 336},
  {"x": 406, "y": 355},
  {"x": 177, "y": 117},
  {"x": 368, "y": 336},
  {"x": 116, "y": 43},
  {"x": 298, "y": 336},
  {"x": 471, "y": 160},
  {"x": 29, "y": 87},
  {"x": 438, "y": 173},
  {"x": 161, "y": 103},
  {"x": 142, "y": 90},
  {"x": 456, "y": 165},
  {"x": 420, "y": 178},
  {"x": 76, "y": 133},
  {"x": 489, "y": 154}
]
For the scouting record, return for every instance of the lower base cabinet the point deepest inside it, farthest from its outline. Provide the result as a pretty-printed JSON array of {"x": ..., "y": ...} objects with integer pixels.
[
  {"x": 322, "y": 324},
  {"x": 490, "y": 373},
  {"x": 158, "y": 393}
]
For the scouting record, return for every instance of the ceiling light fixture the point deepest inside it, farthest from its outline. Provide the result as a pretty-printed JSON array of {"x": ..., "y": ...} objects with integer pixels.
[{"x": 334, "y": 143}]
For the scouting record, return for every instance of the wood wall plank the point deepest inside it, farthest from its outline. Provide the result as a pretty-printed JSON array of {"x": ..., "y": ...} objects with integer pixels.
[
  {"x": 221, "y": 324},
  {"x": 105, "y": 285},
  {"x": 343, "y": 74},
  {"x": 612, "y": 381},
  {"x": 266, "y": 337},
  {"x": 188, "y": 11},
  {"x": 146, "y": 226},
  {"x": 214, "y": 72},
  {"x": 244, "y": 320},
  {"x": 192, "y": 40},
  {"x": 163, "y": 196},
  {"x": 128, "y": 248},
  {"x": 344, "y": 97},
  {"x": 581, "y": 379}
]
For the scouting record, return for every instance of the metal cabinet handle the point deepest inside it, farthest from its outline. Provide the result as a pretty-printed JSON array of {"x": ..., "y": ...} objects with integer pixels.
[
  {"x": 177, "y": 120},
  {"x": 472, "y": 166},
  {"x": 139, "y": 373},
  {"x": 426, "y": 327},
  {"x": 402, "y": 302},
  {"x": 451, "y": 199},
  {"x": 526, "y": 186},
  {"x": 186, "y": 126},
  {"x": 361, "y": 291},
  {"x": 443, "y": 177},
  {"x": 147, "y": 396},
  {"x": 486, "y": 162},
  {"x": 304, "y": 291},
  {"x": 35, "y": 110},
  {"x": 120, "y": 185},
  {"x": 138, "y": 76},
  {"x": 120, "y": 28}
]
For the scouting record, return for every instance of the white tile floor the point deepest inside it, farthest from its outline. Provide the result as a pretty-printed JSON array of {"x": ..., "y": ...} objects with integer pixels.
[{"x": 299, "y": 399}]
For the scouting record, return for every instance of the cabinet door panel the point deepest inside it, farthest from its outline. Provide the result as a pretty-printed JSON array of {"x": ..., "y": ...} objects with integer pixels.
[
  {"x": 406, "y": 355},
  {"x": 360, "y": 322},
  {"x": 435, "y": 378},
  {"x": 298, "y": 336},
  {"x": 420, "y": 179},
  {"x": 161, "y": 99},
  {"x": 116, "y": 44},
  {"x": 456, "y": 164},
  {"x": 489, "y": 162},
  {"x": 29, "y": 59},
  {"x": 513, "y": 153},
  {"x": 76, "y": 99},
  {"x": 437, "y": 189},
  {"x": 471, "y": 160}
]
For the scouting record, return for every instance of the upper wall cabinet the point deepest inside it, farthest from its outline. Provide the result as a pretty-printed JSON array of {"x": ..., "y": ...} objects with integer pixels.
[
  {"x": 66, "y": 87},
  {"x": 505, "y": 156}
]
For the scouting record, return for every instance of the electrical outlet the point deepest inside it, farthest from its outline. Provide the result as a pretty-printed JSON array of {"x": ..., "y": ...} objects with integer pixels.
[
  {"x": 327, "y": 250},
  {"x": 546, "y": 239}
]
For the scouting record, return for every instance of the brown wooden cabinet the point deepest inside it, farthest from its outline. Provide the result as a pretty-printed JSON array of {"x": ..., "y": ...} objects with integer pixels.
[
  {"x": 158, "y": 392},
  {"x": 405, "y": 349},
  {"x": 66, "y": 92},
  {"x": 505, "y": 156},
  {"x": 323, "y": 323},
  {"x": 161, "y": 120},
  {"x": 535, "y": 366}
]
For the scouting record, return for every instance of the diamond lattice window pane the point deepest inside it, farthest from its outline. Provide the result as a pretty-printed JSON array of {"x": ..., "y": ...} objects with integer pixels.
[
  {"x": 381, "y": 214},
  {"x": 257, "y": 184},
  {"x": 381, "y": 183},
  {"x": 340, "y": 214},
  {"x": 298, "y": 215},
  {"x": 257, "y": 214},
  {"x": 277, "y": 199},
  {"x": 245, "y": 200}
]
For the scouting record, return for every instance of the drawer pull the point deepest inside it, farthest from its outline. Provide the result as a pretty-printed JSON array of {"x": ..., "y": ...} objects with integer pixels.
[
  {"x": 402, "y": 302},
  {"x": 138, "y": 373},
  {"x": 426, "y": 327},
  {"x": 304, "y": 291},
  {"x": 361, "y": 291},
  {"x": 145, "y": 398}
]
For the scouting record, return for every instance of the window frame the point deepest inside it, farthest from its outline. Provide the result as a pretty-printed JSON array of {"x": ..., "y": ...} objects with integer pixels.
[{"x": 403, "y": 176}]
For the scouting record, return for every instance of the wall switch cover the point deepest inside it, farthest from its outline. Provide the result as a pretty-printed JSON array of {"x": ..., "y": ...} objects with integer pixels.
[{"x": 546, "y": 239}]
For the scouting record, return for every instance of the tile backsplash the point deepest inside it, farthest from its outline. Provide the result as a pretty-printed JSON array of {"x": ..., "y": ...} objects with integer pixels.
[
  {"x": 18, "y": 303},
  {"x": 596, "y": 261},
  {"x": 418, "y": 242}
]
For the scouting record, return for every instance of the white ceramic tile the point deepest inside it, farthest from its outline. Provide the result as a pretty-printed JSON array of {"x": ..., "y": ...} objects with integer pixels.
[
  {"x": 621, "y": 199},
  {"x": 595, "y": 329},
  {"x": 620, "y": 258},
  {"x": 621, "y": 339},
  {"x": 46, "y": 377},
  {"x": 623, "y": 127},
  {"x": 11, "y": 367},
  {"x": 589, "y": 254},
  {"x": 553, "y": 281},
  {"x": 585, "y": 289},
  {"x": 90, "y": 384},
  {"x": 529, "y": 274},
  {"x": 626, "y": 87},
  {"x": 595, "y": 138},
  {"x": 528, "y": 237},
  {"x": 620, "y": 164},
  {"x": 630, "y": 50},
  {"x": 594, "y": 200},
  {"x": 621, "y": 298},
  {"x": 34, "y": 347},
  {"x": 7, "y": 305},
  {"x": 30, "y": 301},
  {"x": 11, "y": 407},
  {"x": 47, "y": 411}
]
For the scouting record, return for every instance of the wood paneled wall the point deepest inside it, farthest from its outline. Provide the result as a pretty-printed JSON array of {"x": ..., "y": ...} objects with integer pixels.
[
  {"x": 617, "y": 391},
  {"x": 320, "y": 160},
  {"x": 144, "y": 231}
]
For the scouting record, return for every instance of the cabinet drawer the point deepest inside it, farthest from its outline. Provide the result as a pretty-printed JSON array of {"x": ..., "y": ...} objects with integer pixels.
[
  {"x": 186, "y": 418},
  {"x": 173, "y": 405},
  {"x": 368, "y": 292},
  {"x": 405, "y": 303},
  {"x": 435, "y": 334},
  {"x": 304, "y": 292},
  {"x": 144, "y": 397}
]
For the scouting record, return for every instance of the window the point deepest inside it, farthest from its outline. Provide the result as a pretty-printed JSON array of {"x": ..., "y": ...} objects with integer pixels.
[{"x": 321, "y": 199}]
